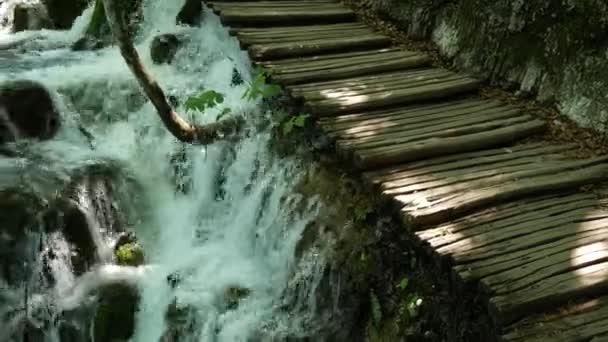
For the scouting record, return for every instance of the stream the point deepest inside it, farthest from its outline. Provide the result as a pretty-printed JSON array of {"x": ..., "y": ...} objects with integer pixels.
[{"x": 212, "y": 220}]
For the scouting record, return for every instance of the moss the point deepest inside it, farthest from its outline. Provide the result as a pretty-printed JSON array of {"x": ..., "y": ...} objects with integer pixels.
[{"x": 130, "y": 254}]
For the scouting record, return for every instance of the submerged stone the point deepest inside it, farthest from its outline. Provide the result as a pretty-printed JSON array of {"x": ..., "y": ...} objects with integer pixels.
[
  {"x": 27, "y": 111},
  {"x": 164, "y": 47},
  {"x": 30, "y": 17},
  {"x": 63, "y": 12},
  {"x": 115, "y": 316},
  {"x": 191, "y": 13}
]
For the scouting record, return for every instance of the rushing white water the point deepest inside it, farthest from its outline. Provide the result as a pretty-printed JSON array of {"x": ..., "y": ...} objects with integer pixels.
[{"x": 237, "y": 233}]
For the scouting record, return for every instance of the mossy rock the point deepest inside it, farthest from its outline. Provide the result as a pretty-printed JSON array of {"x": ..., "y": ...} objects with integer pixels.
[{"x": 130, "y": 254}]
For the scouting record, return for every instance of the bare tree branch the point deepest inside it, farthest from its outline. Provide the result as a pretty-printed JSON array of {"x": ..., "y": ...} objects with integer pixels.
[{"x": 180, "y": 128}]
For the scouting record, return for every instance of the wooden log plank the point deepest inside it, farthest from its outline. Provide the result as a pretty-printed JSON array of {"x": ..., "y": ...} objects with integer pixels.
[
  {"x": 278, "y": 30},
  {"x": 551, "y": 292},
  {"x": 286, "y": 62},
  {"x": 373, "y": 84},
  {"x": 462, "y": 161},
  {"x": 301, "y": 37},
  {"x": 311, "y": 47},
  {"x": 530, "y": 241},
  {"x": 488, "y": 238},
  {"x": 341, "y": 95},
  {"x": 250, "y": 16},
  {"x": 416, "y": 115},
  {"x": 565, "y": 261},
  {"x": 513, "y": 226},
  {"x": 438, "y": 147},
  {"x": 551, "y": 326},
  {"x": 540, "y": 170},
  {"x": 455, "y": 160},
  {"x": 342, "y": 72},
  {"x": 281, "y": 69},
  {"x": 429, "y": 182},
  {"x": 415, "y": 111},
  {"x": 471, "y": 200},
  {"x": 350, "y": 83},
  {"x": 487, "y": 267},
  {"x": 272, "y": 4},
  {"x": 322, "y": 30},
  {"x": 502, "y": 212},
  {"x": 452, "y": 128},
  {"x": 394, "y": 97}
]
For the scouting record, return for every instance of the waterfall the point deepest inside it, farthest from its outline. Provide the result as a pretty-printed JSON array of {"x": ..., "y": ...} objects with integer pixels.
[{"x": 221, "y": 251}]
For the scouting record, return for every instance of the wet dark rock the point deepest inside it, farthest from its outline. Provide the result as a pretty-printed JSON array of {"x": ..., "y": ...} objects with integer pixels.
[
  {"x": 191, "y": 13},
  {"x": 27, "y": 110},
  {"x": 164, "y": 47},
  {"x": 233, "y": 295},
  {"x": 19, "y": 234},
  {"x": 64, "y": 12},
  {"x": 77, "y": 231},
  {"x": 89, "y": 43},
  {"x": 115, "y": 316},
  {"x": 182, "y": 323},
  {"x": 30, "y": 17},
  {"x": 237, "y": 78},
  {"x": 98, "y": 34},
  {"x": 123, "y": 239}
]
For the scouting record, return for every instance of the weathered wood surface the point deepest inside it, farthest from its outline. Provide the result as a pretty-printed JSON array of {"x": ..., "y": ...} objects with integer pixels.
[
  {"x": 583, "y": 322},
  {"x": 508, "y": 218}
]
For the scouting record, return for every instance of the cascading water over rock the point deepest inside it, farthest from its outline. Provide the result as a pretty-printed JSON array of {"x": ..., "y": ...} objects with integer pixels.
[{"x": 218, "y": 224}]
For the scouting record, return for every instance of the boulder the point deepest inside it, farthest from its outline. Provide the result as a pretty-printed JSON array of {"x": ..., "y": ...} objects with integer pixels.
[
  {"x": 191, "y": 13},
  {"x": 115, "y": 316},
  {"x": 18, "y": 228},
  {"x": 164, "y": 47},
  {"x": 30, "y": 17},
  {"x": 63, "y": 12},
  {"x": 27, "y": 111}
]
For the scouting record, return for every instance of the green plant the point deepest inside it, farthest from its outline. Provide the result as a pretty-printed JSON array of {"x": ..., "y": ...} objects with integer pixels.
[
  {"x": 260, "y": 88},
  {"x": 206, "y": 99},
  {"x": 293, "y": 122},
  {"x": 411, "y": 303}
]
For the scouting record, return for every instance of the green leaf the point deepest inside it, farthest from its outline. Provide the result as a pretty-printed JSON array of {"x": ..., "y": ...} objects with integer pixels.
[
  {"x": 403, "y": 283},
  {"x": 376, "y": 308},
  {"x": 287, "y": 127},
  {"x": 270, "y": 90},
  {"x": 300, "y": 120},
  {"x": 258, "y": 88},
  {"x": 207, "y": 99}
]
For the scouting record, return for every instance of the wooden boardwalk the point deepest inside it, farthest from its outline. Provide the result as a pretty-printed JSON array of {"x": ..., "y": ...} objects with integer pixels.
[{"x": 504, "y": 211}]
